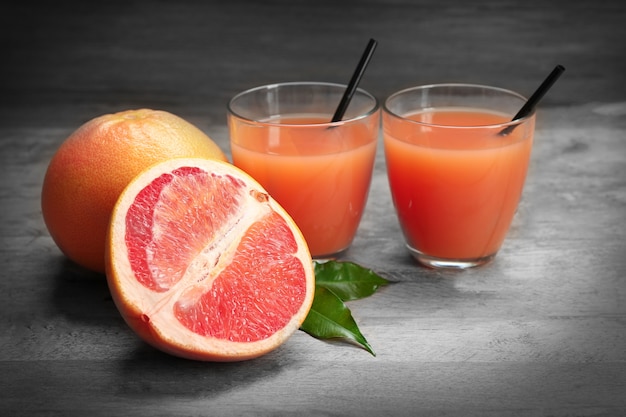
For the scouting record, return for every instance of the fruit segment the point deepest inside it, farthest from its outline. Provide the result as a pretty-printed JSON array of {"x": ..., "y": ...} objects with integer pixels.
[
  {"x": 256, "y": 294},
  {"x": 176, "y": 219}
]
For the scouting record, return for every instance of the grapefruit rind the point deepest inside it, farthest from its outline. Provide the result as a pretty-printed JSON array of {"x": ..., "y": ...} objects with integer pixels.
[{"x": 150, "y": 312}]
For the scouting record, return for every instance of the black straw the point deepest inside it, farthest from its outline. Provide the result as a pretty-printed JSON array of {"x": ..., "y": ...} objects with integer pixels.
[
  {"x": 532, "y": 102},
  {"x": 354, "y": 81}
]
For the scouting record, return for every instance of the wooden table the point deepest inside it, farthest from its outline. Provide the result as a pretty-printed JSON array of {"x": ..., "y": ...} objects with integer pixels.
[{"x": 540, "y": 331}]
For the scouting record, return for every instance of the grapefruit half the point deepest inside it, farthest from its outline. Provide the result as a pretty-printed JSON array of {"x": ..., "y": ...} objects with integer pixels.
[{"x": 203, "y": 264}]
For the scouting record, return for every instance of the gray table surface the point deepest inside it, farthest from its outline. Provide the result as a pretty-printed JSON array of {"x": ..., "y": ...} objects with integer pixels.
[{"x": 541, "y": 331}]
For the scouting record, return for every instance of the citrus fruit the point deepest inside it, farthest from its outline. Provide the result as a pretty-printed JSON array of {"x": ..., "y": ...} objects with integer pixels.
[
  {"x": 203, "y": 264},
  {"x": 93, "y": 165}
]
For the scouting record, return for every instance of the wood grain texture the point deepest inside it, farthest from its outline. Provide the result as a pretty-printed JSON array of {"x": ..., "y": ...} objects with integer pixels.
[{"x": 539, "y": 332}]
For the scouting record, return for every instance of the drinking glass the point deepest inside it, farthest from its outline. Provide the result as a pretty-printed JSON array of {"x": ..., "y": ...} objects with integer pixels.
[
  {"x": 319, "y": 171},
  {"x": 456, "y": 167}
]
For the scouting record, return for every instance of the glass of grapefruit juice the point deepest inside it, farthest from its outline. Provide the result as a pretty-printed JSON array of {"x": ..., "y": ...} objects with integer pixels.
[
  {"x": 319, "y": 172},
  {"x": 456, "y": 166}
]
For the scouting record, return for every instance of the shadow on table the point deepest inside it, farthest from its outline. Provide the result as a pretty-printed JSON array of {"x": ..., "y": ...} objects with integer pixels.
[
  {"x": 83, "y": 297},
  {"x": 418, "y": 291},
  {"x": 149, "y": 373}
]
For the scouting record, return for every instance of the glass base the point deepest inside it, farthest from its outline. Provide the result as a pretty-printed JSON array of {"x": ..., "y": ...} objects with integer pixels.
[
  {"x": 330, "y": 256},
  {"x": 438, "y": 263}
]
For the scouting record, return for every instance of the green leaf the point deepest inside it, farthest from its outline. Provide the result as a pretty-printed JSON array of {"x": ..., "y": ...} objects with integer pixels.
[
  {"x": 330, "y": 318},
  {"x": 348, "y": 280}
]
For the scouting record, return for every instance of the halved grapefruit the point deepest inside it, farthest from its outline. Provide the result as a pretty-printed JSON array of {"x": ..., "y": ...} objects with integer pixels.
[{"x": 202, "y": 263}]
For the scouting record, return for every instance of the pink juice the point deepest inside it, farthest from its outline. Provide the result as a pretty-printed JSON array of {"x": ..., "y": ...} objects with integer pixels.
[
  {"x": 319, "y": 174},
  {"x": 455, "y": 190}
]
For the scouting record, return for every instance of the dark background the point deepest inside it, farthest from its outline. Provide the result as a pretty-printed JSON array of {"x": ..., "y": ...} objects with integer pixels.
[
  {"x": 541, "y": 331},
  {"x": 66, "y": 61}
]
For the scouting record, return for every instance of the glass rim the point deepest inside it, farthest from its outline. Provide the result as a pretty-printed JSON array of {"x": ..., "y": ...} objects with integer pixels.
[
  {"x": 512, "y": 93},
  {"x": 375, "y": 107}
]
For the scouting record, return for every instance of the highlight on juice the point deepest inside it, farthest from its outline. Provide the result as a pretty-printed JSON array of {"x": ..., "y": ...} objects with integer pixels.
[{"x": 456, "y": 179}]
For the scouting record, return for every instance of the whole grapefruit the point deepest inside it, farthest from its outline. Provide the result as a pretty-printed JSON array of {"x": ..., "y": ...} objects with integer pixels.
[{"x": 94, "y": 164}]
